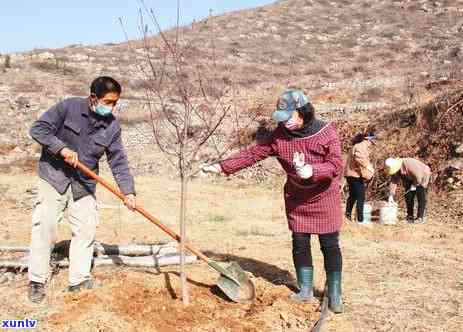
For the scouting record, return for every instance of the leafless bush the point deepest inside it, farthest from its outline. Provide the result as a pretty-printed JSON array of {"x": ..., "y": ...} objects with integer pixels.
[
  {"x": 363, "y": 59},
  {"x": 76, "y": 90},
  {"x": 348, "y": 54},
  {"x": 27, "y": 86},
  {"x": 58, "y": 65},
  {"x": 7, "y": 63},
  {"x": 348, "y": 43},
  {"x": 435, "y": 46},
  {"x": 455, "y": 72},
  {"x": 358, "y": 69},
  {"x": 371, "y": 94},
  {"x": 398, "y": 46}
]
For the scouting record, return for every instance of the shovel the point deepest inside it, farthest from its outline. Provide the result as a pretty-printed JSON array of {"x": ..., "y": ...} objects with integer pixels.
[{"x": 233, "y": 281}]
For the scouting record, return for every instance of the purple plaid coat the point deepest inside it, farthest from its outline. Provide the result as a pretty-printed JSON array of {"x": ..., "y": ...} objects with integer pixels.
[{"x": 314, "y": 205}]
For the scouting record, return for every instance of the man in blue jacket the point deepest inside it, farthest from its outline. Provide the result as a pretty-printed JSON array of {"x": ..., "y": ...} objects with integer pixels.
[{"x": 75, "y": 129}]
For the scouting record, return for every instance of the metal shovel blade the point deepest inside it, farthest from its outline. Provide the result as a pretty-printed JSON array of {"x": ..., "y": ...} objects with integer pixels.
[{"x": 241, "y": 292}]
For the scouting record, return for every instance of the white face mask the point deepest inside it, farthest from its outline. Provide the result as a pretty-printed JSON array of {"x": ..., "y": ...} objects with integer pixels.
[{"x": 291, "y": 124}]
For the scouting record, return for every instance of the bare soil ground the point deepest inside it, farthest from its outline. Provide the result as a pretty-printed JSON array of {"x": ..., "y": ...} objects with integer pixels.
[{"x": 396, "y": 278}]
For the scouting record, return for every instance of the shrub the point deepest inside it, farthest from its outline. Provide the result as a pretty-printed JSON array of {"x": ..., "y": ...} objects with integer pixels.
[
  {"x": 7, "y": 63},
  {"x": 29, "y": 86},
  {"x": 58, "y": 66},
  {"x": 371, "y": 94}
]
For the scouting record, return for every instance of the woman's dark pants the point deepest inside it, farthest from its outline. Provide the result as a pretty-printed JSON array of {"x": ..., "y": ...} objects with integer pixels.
[
  {"x": 329, "y": 244},
  {"x": 356, "y": 195}
]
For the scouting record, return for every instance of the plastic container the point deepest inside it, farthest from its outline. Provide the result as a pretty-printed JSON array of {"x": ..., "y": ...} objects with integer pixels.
[
  {"x": 367, "y": 208},
  {"x": 388, "y": 214}
]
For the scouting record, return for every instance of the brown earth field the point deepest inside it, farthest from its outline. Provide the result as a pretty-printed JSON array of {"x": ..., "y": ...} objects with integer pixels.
[{"x": 396, "y": 278}]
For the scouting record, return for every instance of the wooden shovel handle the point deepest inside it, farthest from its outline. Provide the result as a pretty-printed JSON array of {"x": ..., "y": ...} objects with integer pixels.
[{"x": 87, "y": 171}]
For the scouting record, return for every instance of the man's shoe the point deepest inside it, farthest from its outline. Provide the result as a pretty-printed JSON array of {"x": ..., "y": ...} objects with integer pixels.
[
  {"x": 305, "y": 282},
  {"x": 410, "y": 220},
  {"x": 36, "y": 292},
  {"x": 87, "y": 284}
]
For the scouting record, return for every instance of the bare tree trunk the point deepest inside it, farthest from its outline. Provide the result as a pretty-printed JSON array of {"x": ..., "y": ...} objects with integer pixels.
[
  {"x": 183, "y": 275},
  {"x": 172, "y": 82}
]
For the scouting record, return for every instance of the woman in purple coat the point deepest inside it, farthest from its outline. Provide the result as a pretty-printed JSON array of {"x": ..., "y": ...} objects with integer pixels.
[{"x": 309, "y": 150}]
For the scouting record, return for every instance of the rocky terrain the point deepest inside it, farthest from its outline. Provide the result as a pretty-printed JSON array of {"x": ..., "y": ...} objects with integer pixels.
[{"x": 342, "y": 52}]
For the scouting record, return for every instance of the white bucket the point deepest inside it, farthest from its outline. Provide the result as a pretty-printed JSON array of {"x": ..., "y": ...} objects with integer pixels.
[
  {"x": 367, "y": 208},
  {"x": 388, "y": 214}
]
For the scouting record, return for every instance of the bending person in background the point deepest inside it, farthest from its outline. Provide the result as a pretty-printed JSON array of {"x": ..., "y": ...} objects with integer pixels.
[
  {"x": 358, "y": 170},
  {"x": 416, "y": 177},
  {"x": 309, "y": 150}
]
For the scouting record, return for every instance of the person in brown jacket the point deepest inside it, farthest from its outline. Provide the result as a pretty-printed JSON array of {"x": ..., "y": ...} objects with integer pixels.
[
  {"x": 358, "y": 170},
  {"x": 416, "y": 177}
]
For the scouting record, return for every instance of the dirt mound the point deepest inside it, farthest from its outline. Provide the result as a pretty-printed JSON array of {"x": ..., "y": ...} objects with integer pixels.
[{"x": 142, "y": 306}]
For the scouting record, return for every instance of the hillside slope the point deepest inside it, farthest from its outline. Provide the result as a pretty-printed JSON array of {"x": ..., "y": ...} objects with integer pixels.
[{"x": 345, "y": 52}]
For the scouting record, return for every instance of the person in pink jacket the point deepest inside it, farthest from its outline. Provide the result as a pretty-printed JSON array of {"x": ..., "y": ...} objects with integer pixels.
[{"x": 309, "y": 150}]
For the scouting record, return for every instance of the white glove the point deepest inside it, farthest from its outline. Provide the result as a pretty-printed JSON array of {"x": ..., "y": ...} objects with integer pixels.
[
  {"x": 304, "y": 170},
  {"x": 391, "y": 199},
  {"x": 214, "y": 168},
  {"x": 412, "y": 188}
]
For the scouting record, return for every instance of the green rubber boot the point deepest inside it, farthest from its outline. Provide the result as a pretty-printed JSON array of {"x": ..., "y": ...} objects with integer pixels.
[
  {"x": 333, "y": 280},
  {"x": 305, "y": 282}
]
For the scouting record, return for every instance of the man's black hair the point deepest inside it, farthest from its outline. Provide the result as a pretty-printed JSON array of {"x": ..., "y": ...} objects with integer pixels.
[
  {"x": 103, "y": 85},
  {"x": 358, "y": 138},
  {"x": 361, "y": 136}
]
